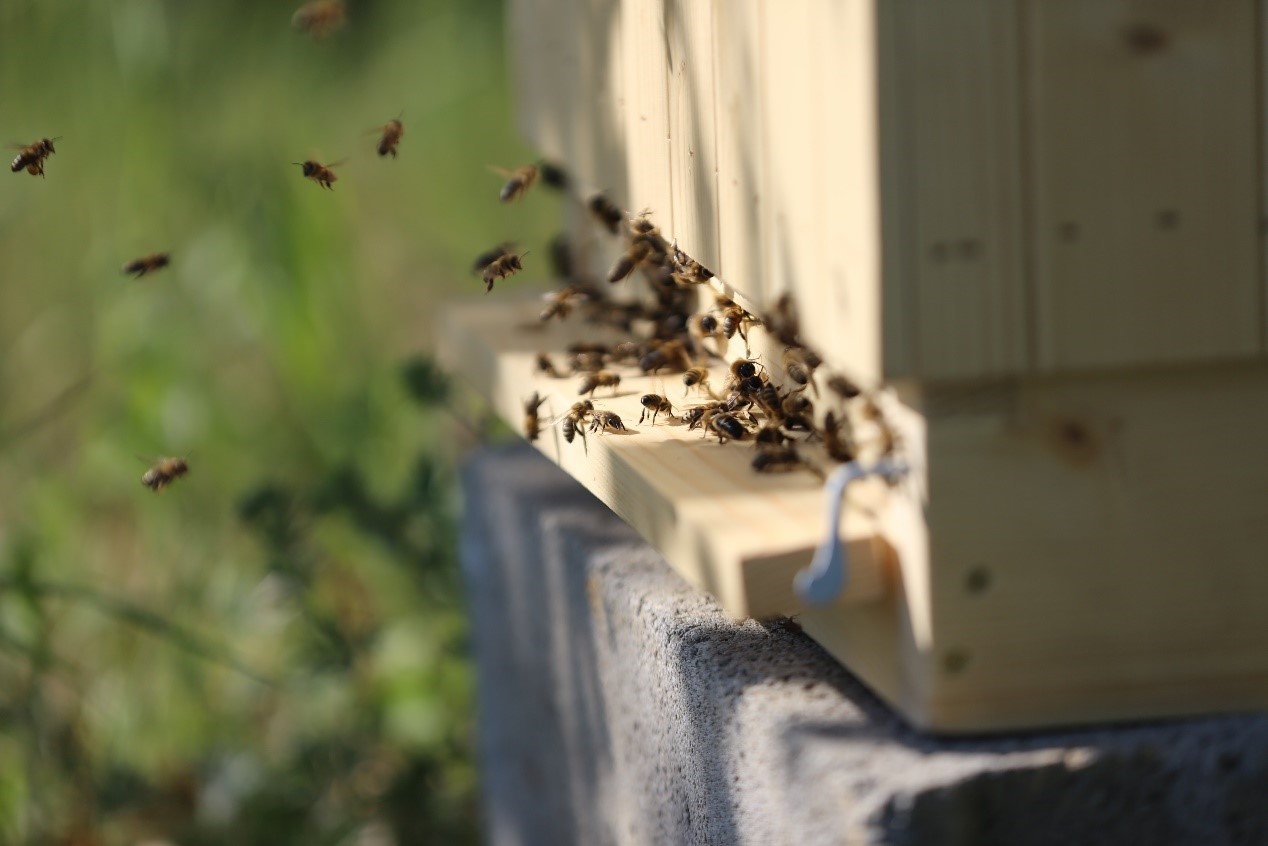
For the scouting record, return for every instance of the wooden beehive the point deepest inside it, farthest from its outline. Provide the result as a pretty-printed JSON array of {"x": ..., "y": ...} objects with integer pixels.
[{"x": 1036, "y": 225}]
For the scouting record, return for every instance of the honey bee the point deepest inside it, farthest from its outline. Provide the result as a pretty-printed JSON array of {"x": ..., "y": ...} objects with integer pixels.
[
  {"x": 163, "y": 473},
  {"x": 561, "y": 259},
  {"x": 587, "y": 362},
  {"x": 323, "y": 175},
  {"x": 799, "y": 366},
  {"x": 694, "y": 415},
  {"x": 638, "y": 253},
  {"x": 671, "y": 354},
  {"x": 391, "y": 134},
  {"x": 560, "y": 303},
  {"x": 489, "y": 256},
  {"x": 837, "y": 440},
  {"x": 736, "y": 320},
  {"x": 147, "y": 264},
  {"x": 573, "y": 422},
  {"x": 772, "y": 434},
  {"x": 545, "y": 365},
  {"x": 31, "y": 157},
  {"x": 606, "y": 421},
  {"x": 319, "y": 18},
  {"x": 500, "y": 268},
  {"x": 600, "y": 379},
  {"x": 518, "y": 181},
  {"x": 725, "y": 425},
  {"x": 532, "y": 423},
  {"x": 783, "y": 322},
  {"x": 655, "y": 404},
  {"x": 553, "y": 175},
  {"x": 777, "y": 459},
  {"x": 686, "y": 269},
  {"x": 606, "y": 213},
  {"x": 843, "y": 387},
  {"x": 696, "y": 377}
]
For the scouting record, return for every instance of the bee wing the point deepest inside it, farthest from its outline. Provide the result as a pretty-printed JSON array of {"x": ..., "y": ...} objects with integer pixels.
[
  {"x": 339, "y": 163},
  {"x": 501, "y": 171}
]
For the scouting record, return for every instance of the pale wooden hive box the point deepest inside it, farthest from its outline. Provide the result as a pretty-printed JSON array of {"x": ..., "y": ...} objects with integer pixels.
[{"x": 1035, "y": 230}]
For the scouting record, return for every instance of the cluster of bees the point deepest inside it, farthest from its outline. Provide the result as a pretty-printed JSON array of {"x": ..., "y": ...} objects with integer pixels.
[
  {"x": 671, "y": 334},
  {"x": 318, "y": 18}
]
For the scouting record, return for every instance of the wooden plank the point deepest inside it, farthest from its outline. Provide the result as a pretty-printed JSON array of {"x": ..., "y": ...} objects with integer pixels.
[
  {"x": 1099, "y": 549},
  {"x": 692, "y": 128},
  {"x": 733, "y": 532},
  {"x": 645, "y": 71},
  {"x": 960, "y": 103},
  {"x": 1145, "y": 164},
  {"x": 737, "y": 56}
]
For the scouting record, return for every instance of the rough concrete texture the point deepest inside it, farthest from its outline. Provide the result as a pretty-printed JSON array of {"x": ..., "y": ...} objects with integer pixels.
[{"x": 620, "y": 706}]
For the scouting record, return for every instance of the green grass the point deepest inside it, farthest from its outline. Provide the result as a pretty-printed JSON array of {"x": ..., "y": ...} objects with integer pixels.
[{"x": 312, "y": 540}]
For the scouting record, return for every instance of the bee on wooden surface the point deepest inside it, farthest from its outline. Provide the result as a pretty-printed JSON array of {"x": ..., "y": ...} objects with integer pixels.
[
  {"x": 502, "y": 267},
  {"x": 517, "y": 181},
  {"x": 600, "y": 379},
  {"x": 323, "y": 175},
  {"x": 489, "y": 256},
  {"x": 147, "y": 264},
  {"x": 545, "y": 365},
  {"x": 319, "y": 18},
  {"x": 655, "y": 404},
  {"x": 31, "y": 157},
  {"x": 606, "y": 212},
  {"x": 777, "y": 459},
  {"x": 686, "y": 269},
  {"x": 391, "y": 134},
  {"x": 843, "y": 387},
  {"x": 725, "y": 425},
  {"x": 552, "y": 175},
  {"x": 532, "y": 423},
  {"x": 695, "y": 414},
  {"x": 837, "y": 439},
  {"x": 606, "y": 421},
  {"x": 560, "y": 303},
  {"x": 798, "y": 412},
  {"x": 667, "y": 354},
  {"x": 696, "y": 377},
  {"x": 573, "y": 423},
  {"x": 771, "y": 434},
  {"x": 164, "y": 472}
]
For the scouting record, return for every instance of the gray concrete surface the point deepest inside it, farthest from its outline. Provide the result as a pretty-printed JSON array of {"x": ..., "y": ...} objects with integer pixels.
[{"x": 620, "y": 706}]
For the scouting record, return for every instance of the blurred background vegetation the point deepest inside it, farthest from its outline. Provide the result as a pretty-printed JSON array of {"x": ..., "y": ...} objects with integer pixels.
[{"x": 272, "y": 650}]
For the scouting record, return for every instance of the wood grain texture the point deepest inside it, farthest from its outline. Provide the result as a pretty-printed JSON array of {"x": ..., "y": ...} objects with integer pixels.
[
  {"x": 1143, "y": 120},
  {"x": 961, "y": 135},
  {"x": 646, "y": 78},
  {"x": 692, "y": 128}
]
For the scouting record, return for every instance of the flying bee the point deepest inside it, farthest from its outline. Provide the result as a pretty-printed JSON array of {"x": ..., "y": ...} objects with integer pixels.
[
  {"x": 773, "y": 459},
  {"x": 147, "y": 264},
  {"x": 502, "y": 267},
  {"x": 560, "y": 303},
  {"x": 606, "y": 212},
  {"x": 783, "y": 322},
  {"x": 843, "y": 387},
  {"x": 323, "y": 175},
  {"x": 606, "y": 421},
  {"x": 561, "y": 259},
  {"x": 489, "y": 256},
  {"x": 517, "y": 181},
  {"x": 696, "y": 377},
  {"x": 837, "y": 439},
  {"x": 671, "y": 354},
  {"x": 629, "y": 260},
  {"x": 799, "y": 366},
  {"x": 390, "y": 136},
  {"x": 736, "y": 320},
  {"x": 532, "y": 423},
  {"x": 164, "y": 472},
  {"x": 31, "y": 157},
  {"x": 319, "y": 18},
  {"x": 655, "y": 404},
  {"x": 545, "y": 365},
  {"x": 600, "y": 379},
  {"x": 553, "y": 176},
  {"x": 587, "y": 362}
]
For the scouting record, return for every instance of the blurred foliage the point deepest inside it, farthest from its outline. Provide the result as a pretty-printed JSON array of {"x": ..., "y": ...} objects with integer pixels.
[{"x": 273, "y": 649}]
